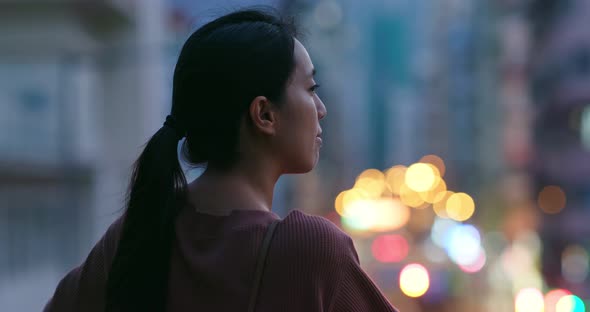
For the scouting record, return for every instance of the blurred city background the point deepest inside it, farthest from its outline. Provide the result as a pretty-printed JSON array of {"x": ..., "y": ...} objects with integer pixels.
[{"x": 456, "y": 154}]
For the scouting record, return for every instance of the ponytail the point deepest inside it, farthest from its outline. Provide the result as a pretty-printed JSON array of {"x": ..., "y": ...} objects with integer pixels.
[{"x": 138, "y": 277}]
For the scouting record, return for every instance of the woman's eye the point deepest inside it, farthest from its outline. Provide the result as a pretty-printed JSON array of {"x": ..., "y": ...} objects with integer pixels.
[{"x": 314, "y": 87}]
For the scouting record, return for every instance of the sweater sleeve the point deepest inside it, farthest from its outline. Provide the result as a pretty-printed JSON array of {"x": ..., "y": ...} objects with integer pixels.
[
  {"x": 83, "y": 288},
  {"x": 356, "y": 291}
]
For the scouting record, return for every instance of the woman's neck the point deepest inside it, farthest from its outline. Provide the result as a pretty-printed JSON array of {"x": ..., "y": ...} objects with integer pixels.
[{"x": 218, "y": 192}]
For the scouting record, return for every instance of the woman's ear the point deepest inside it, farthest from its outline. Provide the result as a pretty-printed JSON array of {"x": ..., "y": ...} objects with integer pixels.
[{"x": 263, "y": 115}]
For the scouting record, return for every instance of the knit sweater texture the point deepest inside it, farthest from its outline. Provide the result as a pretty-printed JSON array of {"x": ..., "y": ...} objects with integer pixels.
[{"x": 311, "y": 266}]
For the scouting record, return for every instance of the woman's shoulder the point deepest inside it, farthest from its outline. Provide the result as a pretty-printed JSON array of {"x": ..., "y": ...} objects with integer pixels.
[
  {"x": 312, "y": 232},
  {"x": 298, "y": 218}
]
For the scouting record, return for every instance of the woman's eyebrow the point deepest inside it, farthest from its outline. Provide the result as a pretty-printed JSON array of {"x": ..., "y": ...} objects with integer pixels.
[{"x": 312, "y": 73}]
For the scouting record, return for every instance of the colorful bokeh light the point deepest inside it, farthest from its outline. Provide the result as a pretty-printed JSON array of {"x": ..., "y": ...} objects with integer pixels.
[
  {"x": 420, "y": 177},
  {"x": 373, "y": 174},
  {"x": 574, "y": 263},
  {"x": 414, "y": 280},
  {"x": 410, "y": 197},
  {"x": 352, "y": 197},
  {"x": 552, "y": 297},
  {"x": 359, "y": 215},
  {"x": 378, "y": 215},
  {"x": 390, "y": 248},
  {"x": 390, "y": 214},
  {"x": 436, "y": 161},
  {"x": 463, "y": 244},
  {"x": 551, "y": 199},
  {"x": 395, "y": 178},
  {"x": 339, "y": 203},
  {"x": 477, "y": 265},
  {"x": 460, "y": 206},
  {"x": 440, "y": 206},
  {"x": 570, "y": 303},
  {"x": 436, "y": 193},
  {"x": 440, "y": 231},
  {"x": 372, "y": 182},
  {"x": 529, "y": 300},
  {"x": 382, "y": 202}
]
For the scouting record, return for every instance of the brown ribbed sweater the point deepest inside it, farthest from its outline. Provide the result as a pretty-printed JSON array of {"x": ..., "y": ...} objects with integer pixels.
[{"x": 311, "y": 266}]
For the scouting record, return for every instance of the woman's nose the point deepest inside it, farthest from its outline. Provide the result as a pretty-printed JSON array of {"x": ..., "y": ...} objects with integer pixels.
[{"x": 322, "y": 112}]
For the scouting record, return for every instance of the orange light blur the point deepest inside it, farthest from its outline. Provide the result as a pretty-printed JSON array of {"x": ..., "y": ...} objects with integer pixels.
[
  {"x": 351, "y": 196},
  {"x": 410, "y": 197},
  {"x": 414, "y": 280},
  {"x": 551, "y": 199},
  {"x": 390, "y": 214},
  {"x": 460, "y": 206},
  {"x": 436, "y": 161},
  {"x": 420, "y": 177},
  {"x": 440, "y": 206},
  {"x": 436, "y": 193},
  {"x": 395, "y": 178},
  {"x": 339, "y": 203}
]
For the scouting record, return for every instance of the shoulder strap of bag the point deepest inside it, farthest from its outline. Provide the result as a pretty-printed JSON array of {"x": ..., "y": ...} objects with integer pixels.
[{"x": 260, "y": 264}]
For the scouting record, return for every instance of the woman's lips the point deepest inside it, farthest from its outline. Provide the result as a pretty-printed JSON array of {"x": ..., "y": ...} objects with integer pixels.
[{"x": 318, "y": 139}]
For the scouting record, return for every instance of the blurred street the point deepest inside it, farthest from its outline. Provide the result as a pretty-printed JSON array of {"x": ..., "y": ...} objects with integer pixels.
[{"x": 456, "y": 149}]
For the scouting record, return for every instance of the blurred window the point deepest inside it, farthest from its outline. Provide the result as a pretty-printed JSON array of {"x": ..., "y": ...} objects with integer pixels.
[{"x": 29, "y": 112}]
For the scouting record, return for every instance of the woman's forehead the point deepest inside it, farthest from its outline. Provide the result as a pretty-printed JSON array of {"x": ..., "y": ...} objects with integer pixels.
[{"x": 303, "y": 64}]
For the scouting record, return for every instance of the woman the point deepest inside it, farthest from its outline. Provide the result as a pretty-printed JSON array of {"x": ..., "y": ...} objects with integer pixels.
[{"x": 244, "y": 98}]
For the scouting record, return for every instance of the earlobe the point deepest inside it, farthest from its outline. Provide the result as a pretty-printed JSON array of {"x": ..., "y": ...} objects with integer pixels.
[{"x": 263, "y": 115}]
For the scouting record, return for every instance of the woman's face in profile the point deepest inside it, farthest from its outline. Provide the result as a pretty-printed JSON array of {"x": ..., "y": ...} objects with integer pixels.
[{"x": 299, "y": 132}]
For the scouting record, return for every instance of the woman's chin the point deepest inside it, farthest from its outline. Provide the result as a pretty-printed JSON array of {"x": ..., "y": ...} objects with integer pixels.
[{"x": 303, "y": 167}]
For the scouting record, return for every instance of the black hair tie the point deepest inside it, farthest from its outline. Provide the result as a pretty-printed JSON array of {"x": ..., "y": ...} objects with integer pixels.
[{"x": 173, "y": 124}]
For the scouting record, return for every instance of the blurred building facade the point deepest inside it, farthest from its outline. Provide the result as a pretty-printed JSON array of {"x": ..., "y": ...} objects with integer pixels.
[
  {"x": 82, "y": 87},
  {"x": 560, "y": 85}
]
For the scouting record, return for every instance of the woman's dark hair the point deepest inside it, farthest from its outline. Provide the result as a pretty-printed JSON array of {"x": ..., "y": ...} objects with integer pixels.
[{"x": 222, "y": 67}]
